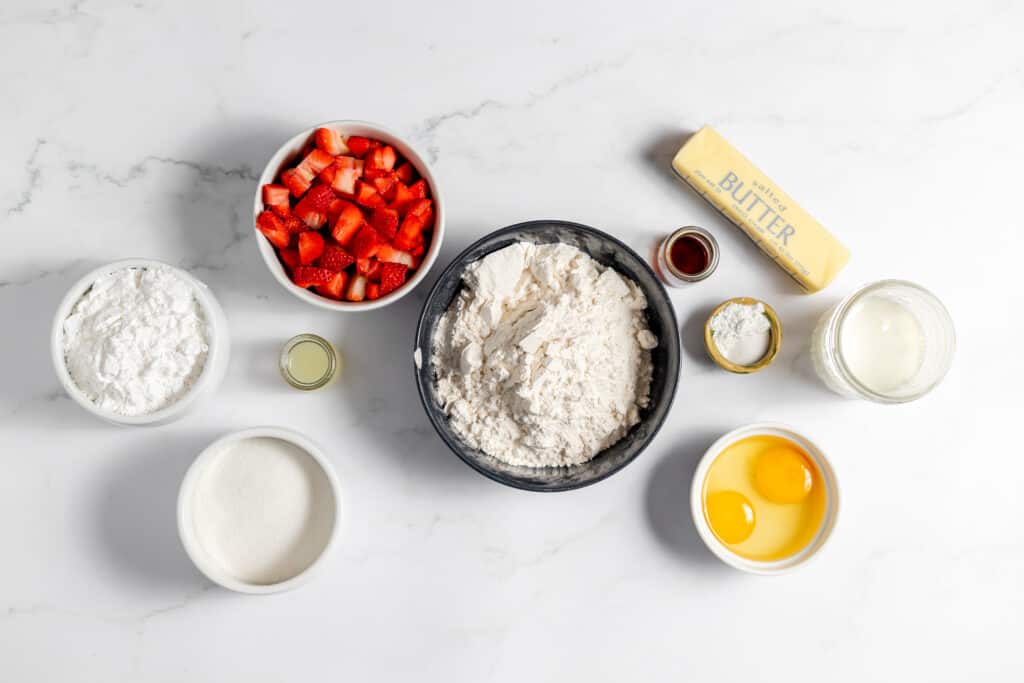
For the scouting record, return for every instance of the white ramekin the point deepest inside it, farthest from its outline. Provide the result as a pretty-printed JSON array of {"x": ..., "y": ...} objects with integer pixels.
[
  {"x": 209, "y": 379},
  {"x": 831, "y": 500},
  {"x": 288, "y": 155},
  {"x": 186, "y": 528}
]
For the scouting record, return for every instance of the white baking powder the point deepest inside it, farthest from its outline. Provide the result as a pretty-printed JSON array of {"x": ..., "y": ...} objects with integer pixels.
[
  {"x": 544, "y": 357},
  {"x": 136, "y": 341},
  {"x": 263, "y": 510},
  {"x": 742, "y": 332}
]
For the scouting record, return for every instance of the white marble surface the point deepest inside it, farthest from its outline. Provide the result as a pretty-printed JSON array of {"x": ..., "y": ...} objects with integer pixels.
[{"x": 137, "y": 129}]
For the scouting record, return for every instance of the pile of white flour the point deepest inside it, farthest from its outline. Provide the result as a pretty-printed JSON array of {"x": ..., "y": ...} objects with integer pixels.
[
  {"x": 136, "y": 341},
  {"x": 544, "y": 358}
]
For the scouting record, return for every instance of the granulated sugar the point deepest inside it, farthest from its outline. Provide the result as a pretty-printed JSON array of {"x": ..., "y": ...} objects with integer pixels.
[{"x": 263, "y": 510}]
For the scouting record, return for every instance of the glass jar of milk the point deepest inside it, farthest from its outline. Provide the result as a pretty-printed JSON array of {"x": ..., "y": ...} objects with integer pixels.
[{"x": 890, "y": 341}]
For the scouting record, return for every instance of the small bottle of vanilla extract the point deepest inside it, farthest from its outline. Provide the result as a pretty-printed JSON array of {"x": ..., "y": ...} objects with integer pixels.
[{"x": 690, "y": 254}]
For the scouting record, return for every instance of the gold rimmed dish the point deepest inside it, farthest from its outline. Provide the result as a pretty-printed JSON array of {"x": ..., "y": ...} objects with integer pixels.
[{"x": 774, "y": 338}]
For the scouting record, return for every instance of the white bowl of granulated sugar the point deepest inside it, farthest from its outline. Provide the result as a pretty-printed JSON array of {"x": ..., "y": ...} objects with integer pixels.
[
  {"x": 259, "y": 510},
  {"x": 139, "y": 342}
]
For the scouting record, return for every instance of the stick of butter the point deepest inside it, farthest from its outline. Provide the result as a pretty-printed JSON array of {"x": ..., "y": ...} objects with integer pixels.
[{"x": 748, "y": 198}]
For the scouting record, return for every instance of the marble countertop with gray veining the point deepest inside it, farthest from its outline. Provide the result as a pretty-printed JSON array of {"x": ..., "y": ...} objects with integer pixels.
[{"x": 139, "y": 129}]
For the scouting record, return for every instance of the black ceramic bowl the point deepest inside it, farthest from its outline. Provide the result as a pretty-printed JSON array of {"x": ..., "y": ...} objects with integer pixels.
[{"x": 660, "y": 318}]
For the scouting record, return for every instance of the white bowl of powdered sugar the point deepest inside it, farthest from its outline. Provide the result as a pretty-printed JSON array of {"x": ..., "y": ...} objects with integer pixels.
[{"x": 139, "y": 342}]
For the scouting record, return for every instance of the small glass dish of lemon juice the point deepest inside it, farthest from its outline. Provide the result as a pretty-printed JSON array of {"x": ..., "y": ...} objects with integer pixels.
[{"x": 309, "y": 362}]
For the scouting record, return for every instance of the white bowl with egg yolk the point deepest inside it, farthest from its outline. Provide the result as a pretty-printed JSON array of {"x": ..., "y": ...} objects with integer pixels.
[{"x": 720, "y": 549}]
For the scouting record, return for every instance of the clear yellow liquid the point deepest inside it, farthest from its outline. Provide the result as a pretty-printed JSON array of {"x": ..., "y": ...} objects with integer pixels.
[
  {"x": 308, "y": 362},
  {"x": 780, "y": 530}
]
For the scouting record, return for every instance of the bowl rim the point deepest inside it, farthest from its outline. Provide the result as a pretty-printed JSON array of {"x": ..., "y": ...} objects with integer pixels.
[
  {"x": 406, "y": 149},
  {"x": 186, "y": 533},
  {"x": 219, "y": 342},
  {"x": 828, "y": 523},
  {"x": 424, "y": 355}
]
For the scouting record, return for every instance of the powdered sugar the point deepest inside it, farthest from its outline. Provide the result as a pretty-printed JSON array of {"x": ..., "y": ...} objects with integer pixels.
[
  {"x": 136, "y": 341},
  {"x": 544, "y": 358}
]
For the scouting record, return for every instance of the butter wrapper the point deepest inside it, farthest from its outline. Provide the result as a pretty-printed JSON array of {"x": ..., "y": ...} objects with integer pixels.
[{"x": 742, "y": 193}]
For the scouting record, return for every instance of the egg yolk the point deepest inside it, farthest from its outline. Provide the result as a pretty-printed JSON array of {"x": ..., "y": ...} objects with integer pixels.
[
  {"x": 730, "y": 516},
  {"x": 783, "y": 475}
]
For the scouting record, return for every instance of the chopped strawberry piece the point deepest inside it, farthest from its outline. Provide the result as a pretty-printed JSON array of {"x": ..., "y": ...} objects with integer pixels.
[
  {"x": 294, "y": 224},
  {"x": 370, "y": 173},
  {"x": 409, "y": 233},
  {"x": 276, "y": 198},
  {"x": 416, "y": 252},
  {"x": 389, "y": 195},
  {"x": 335, "y": 289},
  {"x": 335, "y": 258},
  {"x": 271, "y": 226},
  {"x": 370, "y": 267},
  {"x": 367, "y": 195},
  {"x": 385, "y": 221},
  {"x": 349, "y": 162},
  {"x": 428, "y": 220},
  {"x": 334, "y": 209},
  {"x": 374, "y": 160},
  {"x": 347, "y": 224},
  {"x": 382, "y": 158},
  {"x": 289, "y": 257},
  {"x": 356, "y": 288},
  {"x": 366, "y": 243},
  {"x": 358, "y": 145},
  {"x": 403, "y": 195},
  {"x": 327, "y": 175},
  {"x": 344, "y": 180},
  {"x": 311, "y": 246},
  {"x": 389, "y": 254},
  {"x": 316, "y": 161},
  {"x": 372, "y": 290},
  {"x": 405, "y": 172},
  {"x": 296, "y": 181},
  {"x": 384, "y": 185},
  {"x": 309, "y": 276},
  {"x": 268, "y": 220},
  {"x": 313, "y": 207},
  {"x": 319, "y": 198},
  {"x": 330, "y": 141},
  {"x": 417, "y": 207},
  {"x": 343, "y": 174},
  {"x": 419, "y": 189},
  {"x": 392, "y": 276}
]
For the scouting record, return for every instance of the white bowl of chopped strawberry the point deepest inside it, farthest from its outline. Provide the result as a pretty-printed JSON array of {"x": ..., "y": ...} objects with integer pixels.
[{"x": 348, "y": 216}]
